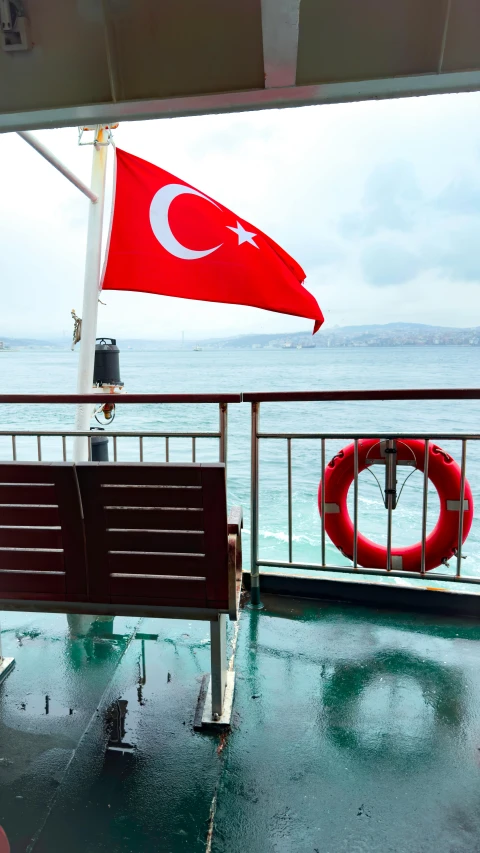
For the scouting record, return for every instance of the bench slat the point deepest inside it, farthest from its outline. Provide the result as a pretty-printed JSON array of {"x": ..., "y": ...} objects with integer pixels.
[
  {"x": 32, "y": 585},
  {"x": 134, "y": 474},
  {"x": 29, "y": 472},
  {"x": 163, "y": 591},
  {"x": 30, "y": 537},
  {"x": 31, "y": 561},
  {"x": 27, "y": 493},
  {"x": 154, "y": 540},
  {"x": 136, "y": 496},
  {"x": 30, "y": 516},
  {"x": 155, "y": 519},
  {"x": 157, "y": 564}
]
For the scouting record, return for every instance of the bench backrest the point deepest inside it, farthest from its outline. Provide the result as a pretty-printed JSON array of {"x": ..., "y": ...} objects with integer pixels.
[
  {"x": 42, "y": 546},
  {"x": 156, "y": 533},
  {"x": 114, "y": 533}
]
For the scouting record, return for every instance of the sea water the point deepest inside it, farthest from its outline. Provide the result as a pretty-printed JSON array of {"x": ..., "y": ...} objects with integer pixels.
[{"x": 215, "y": 371}]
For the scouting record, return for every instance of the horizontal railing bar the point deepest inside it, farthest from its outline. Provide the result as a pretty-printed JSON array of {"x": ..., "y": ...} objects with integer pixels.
[
  {"x": 372, "y": 394},
  {"x": 117, "y": 434},
  {"x": 250, "y": 397},
  {"x": 445, "y": 436},
  {"x": 349, "y": 570},
  {"x": 119, "y": 398}
]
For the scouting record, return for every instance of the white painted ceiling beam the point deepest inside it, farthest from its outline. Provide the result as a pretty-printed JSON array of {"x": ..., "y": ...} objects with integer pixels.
[
  {"x": 280, "y": 42},
  {"x": 230, "y": 102}
]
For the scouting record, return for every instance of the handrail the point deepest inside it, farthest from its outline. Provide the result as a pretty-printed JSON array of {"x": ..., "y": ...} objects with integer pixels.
[
  {"x": 251, "y": 396},
  {"x": 119, "y": 398},
  {"x": 367, "y": 395}
]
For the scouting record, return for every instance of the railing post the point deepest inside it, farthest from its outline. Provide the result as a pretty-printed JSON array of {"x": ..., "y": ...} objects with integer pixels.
[
  {"x": 254, "y": 567},
  {"x": 6, "y": 664},
  {"x": 223, "y": 415}
]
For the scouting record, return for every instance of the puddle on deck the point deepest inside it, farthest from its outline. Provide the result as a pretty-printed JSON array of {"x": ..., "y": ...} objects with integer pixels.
[{"x": 353, "y": 730}]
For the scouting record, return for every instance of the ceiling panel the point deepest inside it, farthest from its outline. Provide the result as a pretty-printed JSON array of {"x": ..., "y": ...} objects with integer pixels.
[
  {"x": 367, "y": 39},
  {"x": 182, "y": 47}
]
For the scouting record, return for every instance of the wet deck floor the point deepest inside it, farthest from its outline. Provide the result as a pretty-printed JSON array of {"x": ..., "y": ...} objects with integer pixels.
[{"x": 354, "y": 730}]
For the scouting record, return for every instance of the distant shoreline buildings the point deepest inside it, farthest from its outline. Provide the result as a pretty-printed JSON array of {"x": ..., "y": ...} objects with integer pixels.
[{"x": 389, "y": 335}]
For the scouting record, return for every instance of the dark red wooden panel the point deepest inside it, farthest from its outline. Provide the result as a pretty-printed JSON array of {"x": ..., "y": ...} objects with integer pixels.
[
  {"x": 30, "y": 537},
  {"x": 155, "y": 519},
  {"x": 95, "y": 534},
  {"x": 30, "y": 516},
  {"x": 137, "y": 496},
  {"x": 152, "y": 474},
  {"x": 216, "y": 538},
  {"x": 73, "y": 534},
  {"x": 31, "y": 561},
  {"x": 56, "y": 504},
  {"x": 32, "y": 493},
  {"x": 31, "y": 584},
  {"x": 28, "y": 472},
  {"x": 106, "y": 506},
  {"x": 151, "y": 540},
  {"x": 157, "y": 564}
]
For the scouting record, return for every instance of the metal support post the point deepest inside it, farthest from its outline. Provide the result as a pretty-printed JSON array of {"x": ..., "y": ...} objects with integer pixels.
[
  {"x": 223, "y": 426},
  {"x": 254, "y": 567},
  {"x": 218, "y": 650},
  {"x": 390, "y": 492},
  {"x": 6, "y": 664},
  {"x": 91, "y": 291}
]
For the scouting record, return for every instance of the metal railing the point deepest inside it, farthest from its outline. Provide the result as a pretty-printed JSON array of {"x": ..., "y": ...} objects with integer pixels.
[
  {"x": 288, "y": 437},
  {"x": 221, "y": 434}
]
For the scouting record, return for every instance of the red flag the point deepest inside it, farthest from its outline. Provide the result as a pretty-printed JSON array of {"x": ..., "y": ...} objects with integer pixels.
[{"x": 171, "y": 239}]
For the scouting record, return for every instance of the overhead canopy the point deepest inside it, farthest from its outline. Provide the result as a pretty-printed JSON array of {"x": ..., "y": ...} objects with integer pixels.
[{"x": 77, "y": 62}]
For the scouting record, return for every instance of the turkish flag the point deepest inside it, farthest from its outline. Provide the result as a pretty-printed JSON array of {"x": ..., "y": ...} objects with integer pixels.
[{"x": 169, "y": 238}]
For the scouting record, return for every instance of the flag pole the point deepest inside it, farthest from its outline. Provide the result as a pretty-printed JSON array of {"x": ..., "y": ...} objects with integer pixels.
[{"x": 91, "y": 289}]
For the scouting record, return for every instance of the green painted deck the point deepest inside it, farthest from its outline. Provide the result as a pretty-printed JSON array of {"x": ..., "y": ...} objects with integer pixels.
[{"x": 354, "y": 730}]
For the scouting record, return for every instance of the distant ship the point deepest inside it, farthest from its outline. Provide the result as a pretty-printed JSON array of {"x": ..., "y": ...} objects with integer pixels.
[
  {"x": 197, "y": 349},
  {"x": 306, "y": 346}
]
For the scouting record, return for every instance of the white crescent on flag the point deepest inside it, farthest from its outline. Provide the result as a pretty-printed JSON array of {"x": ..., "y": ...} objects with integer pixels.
[{"x": 161, "y": 227}]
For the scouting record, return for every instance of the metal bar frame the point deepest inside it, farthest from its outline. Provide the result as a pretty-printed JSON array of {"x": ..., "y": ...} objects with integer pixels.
[
  {"x": 461, "y": 507},
  {"x": 218, "y": 654},
  {"x": 257, "y": 562},
  {"x": 395, "y": 573},
  {"x": 289, "y": 487},
  {"x": 254, "y": 508}
]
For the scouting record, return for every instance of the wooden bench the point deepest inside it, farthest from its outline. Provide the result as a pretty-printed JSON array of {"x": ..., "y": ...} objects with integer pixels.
[{"x": 124, "y": 539}]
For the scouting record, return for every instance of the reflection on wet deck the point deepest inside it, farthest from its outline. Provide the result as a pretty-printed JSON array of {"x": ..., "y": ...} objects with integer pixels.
[{"x": 354, "y": 730}]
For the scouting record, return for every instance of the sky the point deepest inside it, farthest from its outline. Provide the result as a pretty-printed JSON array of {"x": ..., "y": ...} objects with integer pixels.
[{"x": 378, "y": 201}]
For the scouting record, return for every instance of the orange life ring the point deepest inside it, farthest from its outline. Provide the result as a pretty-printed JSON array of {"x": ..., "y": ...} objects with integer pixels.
[{"x": 441, "y": 543}]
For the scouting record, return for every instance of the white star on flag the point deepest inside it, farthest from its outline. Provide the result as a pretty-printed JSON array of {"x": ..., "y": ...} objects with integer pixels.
[{"x": 243, "y": 235}]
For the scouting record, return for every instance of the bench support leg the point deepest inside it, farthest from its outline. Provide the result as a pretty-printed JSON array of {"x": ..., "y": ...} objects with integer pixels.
[
  {"x": 215, "y": 703},
  {"x": 6, "y": 664},
  {"x": 218, "y": 635}
]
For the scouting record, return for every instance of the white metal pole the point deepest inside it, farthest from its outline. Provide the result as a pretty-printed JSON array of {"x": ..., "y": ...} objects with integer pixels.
[
  {"x": 91, "y": 291},
  {"x": 57, "y": 164}
]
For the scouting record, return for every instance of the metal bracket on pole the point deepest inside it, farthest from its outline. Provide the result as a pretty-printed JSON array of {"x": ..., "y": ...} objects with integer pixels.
[{"x": 391, "y": 474}]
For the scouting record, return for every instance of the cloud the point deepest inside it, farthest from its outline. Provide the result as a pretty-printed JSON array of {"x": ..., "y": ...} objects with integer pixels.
[
  {"x": 460, "y": 259},
  {"x": 390, "y": 201},
  {"x": 460, "y": 196},
  {"x": 386, "y": 263}
]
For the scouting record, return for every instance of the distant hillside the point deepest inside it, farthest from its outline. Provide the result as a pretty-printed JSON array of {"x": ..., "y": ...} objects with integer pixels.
[
  {"x": 375, "y": 334},
  {"x": 388, "y": 334}
]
